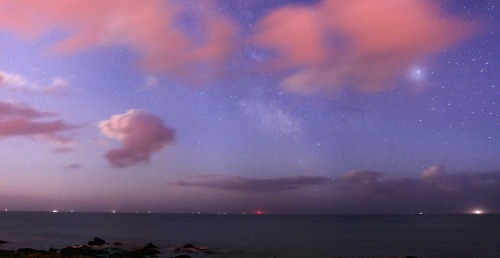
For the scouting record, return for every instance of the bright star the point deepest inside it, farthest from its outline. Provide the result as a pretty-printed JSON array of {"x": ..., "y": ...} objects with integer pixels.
[{"x": 417, "y": 74}]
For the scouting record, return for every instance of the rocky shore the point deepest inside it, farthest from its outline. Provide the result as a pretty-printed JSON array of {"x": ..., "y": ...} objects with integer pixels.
[{"x": 99, "y": 248}]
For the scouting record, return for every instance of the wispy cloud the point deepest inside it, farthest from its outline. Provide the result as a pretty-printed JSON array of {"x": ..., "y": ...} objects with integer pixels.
[
  {"x": 241, "y": 184},
  {"x": 16, "y": 82},
  {"x": 140, "y": 133},
  {"x": 150, "y": 82},
  {"x": 22, "y": 120}
]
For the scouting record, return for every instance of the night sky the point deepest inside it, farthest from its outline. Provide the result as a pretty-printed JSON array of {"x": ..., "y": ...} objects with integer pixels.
[{"x": 333, "y": 106}]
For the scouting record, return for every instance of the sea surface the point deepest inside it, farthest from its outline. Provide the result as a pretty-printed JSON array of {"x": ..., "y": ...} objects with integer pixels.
[{"x": 430, "y": 236}]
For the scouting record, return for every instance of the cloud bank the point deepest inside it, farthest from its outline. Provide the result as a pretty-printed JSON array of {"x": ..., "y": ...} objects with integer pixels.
[
  {"x": 364, "y": 191},
  {"x": 140, "y": 133},
  {"x": 278, "y": 184},
  {"x": 436, "y": 191},
  {"x": 22, "y": 120}
]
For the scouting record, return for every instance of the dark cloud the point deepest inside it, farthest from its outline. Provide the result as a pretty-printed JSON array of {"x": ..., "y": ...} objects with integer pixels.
[
  {"x": 22, "y": 120},
  {"x": 436, "y": 191},
  {"x": 141, "y": 135},
  {"x": 363, "y": 191},
  {"x": 277, "y": 184}
]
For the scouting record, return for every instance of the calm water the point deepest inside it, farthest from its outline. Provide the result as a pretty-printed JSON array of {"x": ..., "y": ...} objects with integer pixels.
[{"x": 431, "y": 236}]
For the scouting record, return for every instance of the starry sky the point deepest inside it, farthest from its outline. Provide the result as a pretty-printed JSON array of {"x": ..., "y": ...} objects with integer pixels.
[{"x": 328, "y": 106}]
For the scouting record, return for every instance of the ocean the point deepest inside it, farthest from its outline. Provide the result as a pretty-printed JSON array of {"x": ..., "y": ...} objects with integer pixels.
[{"x": 430, "y": 236}]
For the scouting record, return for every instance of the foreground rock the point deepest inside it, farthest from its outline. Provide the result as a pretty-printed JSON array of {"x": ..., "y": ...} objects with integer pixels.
[
  {"x": 190, "y": 248},
  {"x": 82, "y": 251},
  {"x": 97, "y": 248},
  {"x": 96, "y": 242}
]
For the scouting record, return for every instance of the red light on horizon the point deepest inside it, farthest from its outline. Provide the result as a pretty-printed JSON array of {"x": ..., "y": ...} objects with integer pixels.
[{"x": 259, "y": 212}]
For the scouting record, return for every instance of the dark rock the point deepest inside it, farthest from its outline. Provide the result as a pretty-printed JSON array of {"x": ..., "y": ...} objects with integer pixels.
[
  {"x": 97, "y": 242},
  {"x": 118, "y": 243},
  {"x": 8, "y": 253},
  {"x": 100, "y": 252},
  {"x": 28, "y": 251},
  {"x": 189, "y": 246},
  {"x": 3, "y": 242},
  {"x": 150, "y": 245},
  {"x": 148, "y": 250},
  {"x": 84, "y": 251},
  {"x": 181, "y": 256},
  {"x": 68, "y": 251},
  {"x": 119, "y": 254},
  {"x": 53, "y": 250},
  {"x": 123, "y": 254}
]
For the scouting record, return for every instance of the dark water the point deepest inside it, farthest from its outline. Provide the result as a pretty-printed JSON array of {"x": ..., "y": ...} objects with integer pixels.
[{"x": 431, "y": 236}]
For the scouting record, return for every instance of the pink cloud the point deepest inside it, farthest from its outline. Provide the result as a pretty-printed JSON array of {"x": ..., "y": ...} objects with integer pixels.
[
  {"x": 13, "y": 109},
  {"x": 293, "y": 32},
  {"x": 148, "y": 27},
  {"x": 361, "y": 177},
  {"x": 140, "y": 133},
  {"x": 362, "y": 44},
  {"x": 22, "y": 120}
]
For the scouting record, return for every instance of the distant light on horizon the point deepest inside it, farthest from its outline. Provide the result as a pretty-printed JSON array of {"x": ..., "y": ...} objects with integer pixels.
[{"x": 478, "y": 211}]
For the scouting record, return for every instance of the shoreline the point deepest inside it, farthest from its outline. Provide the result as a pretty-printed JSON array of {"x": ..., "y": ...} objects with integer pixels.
[{"x": 99, "y": 248}]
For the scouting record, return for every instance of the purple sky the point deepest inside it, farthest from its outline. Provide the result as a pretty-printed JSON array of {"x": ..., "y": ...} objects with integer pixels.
[{"x": 325, "y": 106}]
